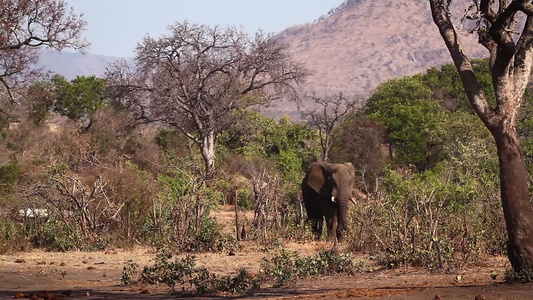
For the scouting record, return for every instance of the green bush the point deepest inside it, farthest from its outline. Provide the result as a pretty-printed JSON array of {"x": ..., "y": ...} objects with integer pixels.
[
  {"x": 167, "y": 272},
  {"x": 210, "y": 238},
  {"x": 287, "y": 266},
  {"x": 206, "y": 282},
  {"x": 128, "y": 272},
  {"x": 245, "y": 199},
  {"x": 9, "y": 176},
  {"x": 176, "y": 272},
  {"x": 521, "y": 276},
  {"x": 41, "y": 98},
  {"x": 79, "y": 97},
  {"x": 59, "y": 237},
  {"x": 405, "y": 107},
  {"x": 12, "y": 237}
]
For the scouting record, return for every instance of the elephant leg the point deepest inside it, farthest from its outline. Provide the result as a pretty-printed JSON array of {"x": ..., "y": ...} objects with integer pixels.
[
  {"x": 333, "y": 233},
  {"x": 320, "y": 225},
  {"x": 340, "y": 228},
  {"x": 316, "y": 226},
  {"x": 339, "y": 234}
]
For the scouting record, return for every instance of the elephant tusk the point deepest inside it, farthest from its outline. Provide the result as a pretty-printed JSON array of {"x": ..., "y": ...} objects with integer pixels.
[
  {"x": 353, "y": 201},
  {"x": 333, "y": 199}
]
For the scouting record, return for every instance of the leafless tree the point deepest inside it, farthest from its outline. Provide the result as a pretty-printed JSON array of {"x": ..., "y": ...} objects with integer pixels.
[
  {"x": 328, "y": 114},
  {"x": 87, "y": 205},
  {"x": 268, "y": 208},
  {"x": 26, "y": 26},
  {"x": 196, "y": 75},
  {"x": 511, "y": 55}
]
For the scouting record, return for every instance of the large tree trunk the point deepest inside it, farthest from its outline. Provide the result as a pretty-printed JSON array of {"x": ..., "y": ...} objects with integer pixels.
[
  {"x": 510, "y": 64},
  {"x": 207, "y": 146},
  {"x": 517, "y": 208}
]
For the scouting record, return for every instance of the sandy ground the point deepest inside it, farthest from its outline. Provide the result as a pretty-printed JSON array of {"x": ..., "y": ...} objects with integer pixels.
[{"x": 96, "y": 275}]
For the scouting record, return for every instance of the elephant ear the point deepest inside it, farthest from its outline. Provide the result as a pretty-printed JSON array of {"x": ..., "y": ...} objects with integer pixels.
[
  {"x": 351, "y": 170},
  {"x": 317, "y": 178}
]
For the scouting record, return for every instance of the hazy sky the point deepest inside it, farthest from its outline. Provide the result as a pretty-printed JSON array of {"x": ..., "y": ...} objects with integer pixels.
[{"x": 116, "y": 26}]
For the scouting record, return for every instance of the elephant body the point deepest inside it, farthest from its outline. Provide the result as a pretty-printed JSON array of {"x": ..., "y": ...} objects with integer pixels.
[{"x": 326, "y": 191}]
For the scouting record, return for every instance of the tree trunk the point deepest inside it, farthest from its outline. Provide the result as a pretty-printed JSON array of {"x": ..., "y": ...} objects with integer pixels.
[
  {"x": 207, "y": 146},
  {"x": 510, "y": 68},
  {"x": 236, "y": 206},
  {"x": 325, "y": 147},
  {"x": 517, "y": 208}
]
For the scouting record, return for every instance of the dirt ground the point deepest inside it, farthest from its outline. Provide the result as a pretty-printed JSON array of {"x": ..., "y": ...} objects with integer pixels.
[{"x": 96, "y": 275}]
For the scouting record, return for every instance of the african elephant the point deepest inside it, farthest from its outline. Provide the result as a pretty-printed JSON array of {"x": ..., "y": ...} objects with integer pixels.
[{"x": 326, "y": 191}]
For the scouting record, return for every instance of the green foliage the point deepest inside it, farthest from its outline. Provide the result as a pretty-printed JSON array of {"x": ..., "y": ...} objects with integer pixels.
[
  {"x": 206, "y": 282},
  {"x": 405, "y": 107},
  {"x": 78, "y": 97},
  {"x": 464, "y": 144},
  {"x": 172, "y": 142},
  {"x": 59, "y": 237},
  {"x": 245, "y": 199},
  {"x": 9, "y": 176},
  {"x": 287, "y": 266},
  {"x": 50, "y": 233},
  {"x": 168, "y": 272},
  {"x": 435, "y": 219},
  {"x": 184, "y": 222},
  {"x": 128, "y": 273},
  {"x": 285, "y": 143},
  {"x": 42, "y": 99},
  {"x": 284, "y": 267},
  {"x": 520, "y": 276},
  {"x": 525, "y": 127},
  {"x": 210, "y": 237},
  {"x": 441, "y": 195},
  {"x": 178, "y": 186},
  {"x": 283, "y": 149},
  {"x": 447, "y": 87},
  {"x": 12, "y": 237}
]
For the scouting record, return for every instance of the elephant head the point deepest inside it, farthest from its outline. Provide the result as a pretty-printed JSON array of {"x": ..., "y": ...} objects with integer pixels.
[
  {"x": 326, "y": 191},
  {"x": 333, "y": 181}
]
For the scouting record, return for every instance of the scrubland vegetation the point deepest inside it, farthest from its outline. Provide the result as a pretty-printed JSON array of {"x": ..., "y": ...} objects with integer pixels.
[
  {"x": 148, "y": 154},
  {"x": 99, "y": 179}
]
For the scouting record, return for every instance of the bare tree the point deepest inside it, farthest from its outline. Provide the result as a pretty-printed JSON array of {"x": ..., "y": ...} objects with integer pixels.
[
  {"x": 328, "y": 114},
  {"x": 511, "y": 56},
  {"x": 25, "y": 26},
  {"x": 87, "y": 205},
  {"x": 196, "y": 75}
]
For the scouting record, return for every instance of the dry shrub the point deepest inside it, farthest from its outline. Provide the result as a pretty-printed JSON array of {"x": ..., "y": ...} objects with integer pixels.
[
  {"x": 431, "y": 230},
  {"x": 276, "y": 215}
]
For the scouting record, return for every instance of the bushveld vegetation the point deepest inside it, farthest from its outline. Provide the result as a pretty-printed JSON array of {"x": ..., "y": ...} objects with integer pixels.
[
  {"x": 92, "y": 163},
  {"x": 93, "y": 178}
]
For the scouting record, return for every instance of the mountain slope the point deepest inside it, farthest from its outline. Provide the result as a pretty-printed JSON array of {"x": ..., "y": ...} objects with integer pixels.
[
  {"x": 353, "y": 49},
  {"x": 365, "y": 42},
  {"x": 71, "y": 64}
]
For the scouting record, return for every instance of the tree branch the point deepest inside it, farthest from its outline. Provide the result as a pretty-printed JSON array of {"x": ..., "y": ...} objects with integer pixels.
[{"x": 440, "y": 13}]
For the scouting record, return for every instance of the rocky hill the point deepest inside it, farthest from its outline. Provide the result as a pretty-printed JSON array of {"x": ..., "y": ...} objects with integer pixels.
[
  {"x": 365, "y": 42},
  {"x": 352, "y": 49}
]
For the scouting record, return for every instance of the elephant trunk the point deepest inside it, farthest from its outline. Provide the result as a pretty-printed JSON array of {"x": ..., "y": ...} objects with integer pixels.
[{"x": 342, "y": 219}]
